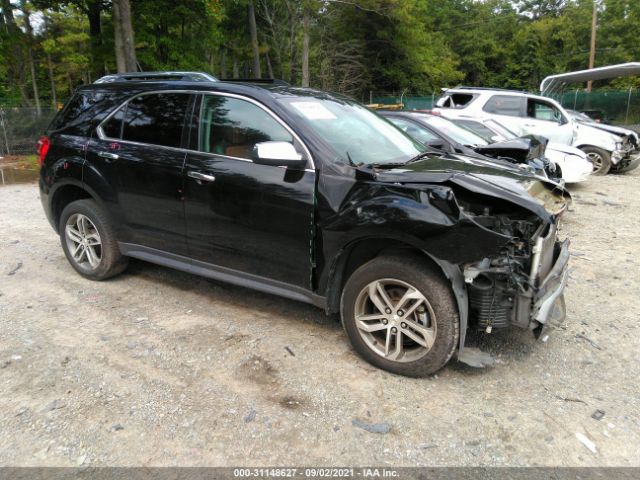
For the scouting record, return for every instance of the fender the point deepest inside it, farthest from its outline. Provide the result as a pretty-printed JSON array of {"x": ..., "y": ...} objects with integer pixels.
[{"x": 450, "y": 270}]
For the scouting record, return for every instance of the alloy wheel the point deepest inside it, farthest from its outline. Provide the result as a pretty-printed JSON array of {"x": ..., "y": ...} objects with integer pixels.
[
  {"x": 83, "y": 241},
  {"x": 596, "y": 160},
  {"x": 395, "y": 320}
]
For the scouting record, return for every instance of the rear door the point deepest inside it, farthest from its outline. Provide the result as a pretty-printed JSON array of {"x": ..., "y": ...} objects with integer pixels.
[
  {"x": 138, "y": 151},
  {"x": 508, "y": 109},
  {"x": 251, "y": 218}
]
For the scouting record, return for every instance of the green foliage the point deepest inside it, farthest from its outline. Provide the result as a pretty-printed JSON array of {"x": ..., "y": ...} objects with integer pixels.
[{"x": 356, "y": 46}]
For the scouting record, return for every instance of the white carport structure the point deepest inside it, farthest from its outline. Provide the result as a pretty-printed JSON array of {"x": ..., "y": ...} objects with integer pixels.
[{"x": 555, "y": 83}]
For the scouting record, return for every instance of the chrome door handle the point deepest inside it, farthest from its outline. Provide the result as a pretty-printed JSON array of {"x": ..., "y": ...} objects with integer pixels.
[
  {"x": 201, "y": 176},
  {"x": 110, "y": 156}
]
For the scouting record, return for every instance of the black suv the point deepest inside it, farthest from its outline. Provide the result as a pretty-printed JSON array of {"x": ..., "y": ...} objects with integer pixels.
[{"x": 310, "y": 196}]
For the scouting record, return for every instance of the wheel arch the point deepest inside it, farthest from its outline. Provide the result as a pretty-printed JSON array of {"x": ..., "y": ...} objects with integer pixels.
[
  {"x": 65, "y": 193},
  {"x": 360, "y": 251}
]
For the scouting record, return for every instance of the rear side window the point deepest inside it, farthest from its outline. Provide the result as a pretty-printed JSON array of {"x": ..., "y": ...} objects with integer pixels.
[
  {"x": 112, "y": 128},
  {"x": 156, "y": 118},
  {"x": 505, "y": 105}
]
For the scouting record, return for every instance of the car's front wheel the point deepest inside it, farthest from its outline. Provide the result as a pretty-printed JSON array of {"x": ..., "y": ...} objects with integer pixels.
[
  {"x": 400, "y": 315},
  {"x": 89, "y": 241},
  {"x": 599, "y": 158}
]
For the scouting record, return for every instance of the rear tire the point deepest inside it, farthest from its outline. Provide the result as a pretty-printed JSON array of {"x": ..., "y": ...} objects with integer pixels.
[
  {"x": 599, "y": 158},
  {"x": 89, "y": 241},
  {"x": 400, "y": 315}
]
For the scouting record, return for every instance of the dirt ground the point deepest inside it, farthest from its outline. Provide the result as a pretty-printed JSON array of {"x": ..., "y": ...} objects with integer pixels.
[{"x": 159, "y": 368}]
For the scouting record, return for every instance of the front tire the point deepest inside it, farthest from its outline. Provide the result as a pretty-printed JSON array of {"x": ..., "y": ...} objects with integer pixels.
[
  {"x": 599, "y": 158},
  {"x": 89, "y": 241},
  {"x": 400, "y": 315}
]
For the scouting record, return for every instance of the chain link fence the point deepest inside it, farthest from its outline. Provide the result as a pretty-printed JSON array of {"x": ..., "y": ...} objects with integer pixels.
[
  {"x": 620, "y": 107},
  {"x": 20, "y": 129}
]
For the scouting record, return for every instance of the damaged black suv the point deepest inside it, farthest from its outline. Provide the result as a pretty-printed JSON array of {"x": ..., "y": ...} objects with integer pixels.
[{"x": 310, "y": 196}]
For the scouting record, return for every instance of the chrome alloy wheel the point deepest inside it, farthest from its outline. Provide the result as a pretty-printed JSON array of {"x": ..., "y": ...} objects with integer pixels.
[
  {"x": 395, "y": 320},
  {"x": 83, "y": 241},
  {"x": 596, "y": 160}
]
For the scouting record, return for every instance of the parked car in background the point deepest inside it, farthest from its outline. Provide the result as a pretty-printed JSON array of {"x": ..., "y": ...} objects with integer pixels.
[
  {"x": 527, "y": 113},
  {"x": 572, "y": 164},
  {"x": 311, "y": 196},
  {"x": 442, "y": 134},
  {"x": 629, "y": 138}
]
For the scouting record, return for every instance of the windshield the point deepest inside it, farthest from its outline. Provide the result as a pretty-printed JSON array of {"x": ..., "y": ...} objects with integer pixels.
[
  {"x": 453, "y": 131},
  {"x": 355, "y": 133}
]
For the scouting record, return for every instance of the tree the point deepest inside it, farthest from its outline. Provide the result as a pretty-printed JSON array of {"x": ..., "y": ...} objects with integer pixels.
[
  {"x": 254, "y": 40},
  {"x": 124, "y": 40}
]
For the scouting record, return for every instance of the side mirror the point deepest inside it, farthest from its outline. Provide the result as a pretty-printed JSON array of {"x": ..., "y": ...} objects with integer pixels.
[{"x": 277, "y": 154}]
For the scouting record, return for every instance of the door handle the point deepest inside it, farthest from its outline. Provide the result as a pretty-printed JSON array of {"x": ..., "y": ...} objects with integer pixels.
[
  {"x": 201, "y": 176},
  {"x": 109, "y": 155}
]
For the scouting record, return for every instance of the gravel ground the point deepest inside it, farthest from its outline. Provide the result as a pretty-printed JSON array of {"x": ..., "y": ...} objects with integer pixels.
[{"x": 158, "y": 368}]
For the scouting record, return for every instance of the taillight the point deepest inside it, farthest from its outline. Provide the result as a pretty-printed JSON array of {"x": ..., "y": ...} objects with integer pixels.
[{"x": 43, "y": 148}]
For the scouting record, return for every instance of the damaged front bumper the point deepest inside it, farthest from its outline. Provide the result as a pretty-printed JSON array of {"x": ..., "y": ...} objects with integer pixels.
[
  {"x": 628, "y": 164},
  {"x": 548, "y": 306},
  {"x": 502, "y": 296}
]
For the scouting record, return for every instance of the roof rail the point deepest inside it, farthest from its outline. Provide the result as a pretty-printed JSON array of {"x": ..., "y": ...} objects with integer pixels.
[
  {"x": 157, "y": 76},
  {"x": 486, "y": 88},
  {"x": 267, "y": 81}
]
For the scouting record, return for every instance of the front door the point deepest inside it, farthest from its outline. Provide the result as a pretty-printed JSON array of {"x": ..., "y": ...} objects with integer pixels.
[
  {"x": 138, "y": 151},
  {"x": 544, "y": 118},
  {"x": 252, "y": 218}
]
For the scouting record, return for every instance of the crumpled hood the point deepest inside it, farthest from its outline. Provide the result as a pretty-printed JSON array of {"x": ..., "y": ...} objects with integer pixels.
[{"x": 538, "y": 195}]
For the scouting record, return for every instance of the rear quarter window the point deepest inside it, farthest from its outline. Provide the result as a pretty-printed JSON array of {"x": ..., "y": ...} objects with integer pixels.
[
  {"x": 79, "y": 114},
  {"x": 455, "y": 100}
]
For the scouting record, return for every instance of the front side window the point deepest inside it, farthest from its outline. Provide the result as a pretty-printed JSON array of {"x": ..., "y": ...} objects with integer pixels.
[
  {"x": 543, "y": 111},
  {"x": 505, "y": 105},
  {"x": 232, "y": 127},
  {"x": 156, "y": 118}
]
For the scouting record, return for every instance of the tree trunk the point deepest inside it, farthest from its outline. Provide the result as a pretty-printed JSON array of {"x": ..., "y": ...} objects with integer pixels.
[
  {"x": 254, "y": 41},
  {"x": 32, "y": 65},
  {"x": 223, "y": 62},
  {"x": 121, "y": 65},
  {"x": 54, "y": 99},
  {"x": 269, "y": 66},
  {"x": 236, "y": 69},
  {"x": 305, "y": 46},
  {"x": 94, "y": 8},
  {"x": 292, "y": 42},
  {"x": 124, "y": 30}
]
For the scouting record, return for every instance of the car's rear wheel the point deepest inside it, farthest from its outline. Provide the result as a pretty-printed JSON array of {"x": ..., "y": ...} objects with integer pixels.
[
  {"x": 599, "y": 158},
  {"x": 89, "y": 241},
  {"x": 400, "y": 315}
]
